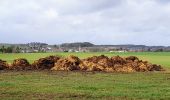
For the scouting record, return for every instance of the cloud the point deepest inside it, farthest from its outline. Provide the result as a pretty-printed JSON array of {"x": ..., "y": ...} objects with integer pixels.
[{"x": 97, "y": 21}]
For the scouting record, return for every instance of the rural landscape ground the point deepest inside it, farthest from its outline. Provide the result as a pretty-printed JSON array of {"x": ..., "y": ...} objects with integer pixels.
[
  {"x": 84, "y": 49},
  {"x": 86, "y": 85}
]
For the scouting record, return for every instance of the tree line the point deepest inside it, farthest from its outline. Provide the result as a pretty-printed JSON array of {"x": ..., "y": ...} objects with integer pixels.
[{"x": 10, "y": 49}]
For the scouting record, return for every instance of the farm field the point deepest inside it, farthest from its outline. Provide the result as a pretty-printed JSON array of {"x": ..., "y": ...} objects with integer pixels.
[
  {"x": 28, "y": 85},
  {"x": 46, "y": 85}
]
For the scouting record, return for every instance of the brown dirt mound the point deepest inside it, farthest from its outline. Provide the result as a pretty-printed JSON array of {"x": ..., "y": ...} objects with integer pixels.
[
  {"x": 132, "y": 58},
  {"x": 95, "y": 63},
  {"x": 140, "y": 66},
  {"x": 67, "y": 64},
  {"x": 117, "y": 64},
  {"x": 3, "y": 65},
  {"x": 20, "y": 64},
  {"x": 91, "y": 66},
  {"x": 45, "y": 63},
  {"x": 106, "y": 64},
  {"x": 118, "y": 60}
]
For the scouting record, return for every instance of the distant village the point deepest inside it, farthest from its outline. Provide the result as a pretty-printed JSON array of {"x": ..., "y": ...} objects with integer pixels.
[{"x": 35, "y": 47}]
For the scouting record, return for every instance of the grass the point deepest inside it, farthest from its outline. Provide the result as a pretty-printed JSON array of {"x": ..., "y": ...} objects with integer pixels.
[
  {"x": 48, "y": 85},
  {"x": 81, "y": 85},
  {"x": 161, "y": 58}
]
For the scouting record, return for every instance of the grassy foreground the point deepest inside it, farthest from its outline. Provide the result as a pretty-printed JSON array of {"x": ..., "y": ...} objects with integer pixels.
[{"x": 48, "y": 85}]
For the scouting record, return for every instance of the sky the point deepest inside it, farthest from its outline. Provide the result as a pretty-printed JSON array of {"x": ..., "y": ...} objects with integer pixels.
[{"x": 145, "y": 22}]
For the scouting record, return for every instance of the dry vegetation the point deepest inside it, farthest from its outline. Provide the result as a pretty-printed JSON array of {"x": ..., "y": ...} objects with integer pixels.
[
  {"x": 3, "y": 65},
  {"x": 72, "y": 63}
]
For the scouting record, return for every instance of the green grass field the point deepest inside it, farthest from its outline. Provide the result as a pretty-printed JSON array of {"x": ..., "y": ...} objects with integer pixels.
[{"x": 47, "y": 85}]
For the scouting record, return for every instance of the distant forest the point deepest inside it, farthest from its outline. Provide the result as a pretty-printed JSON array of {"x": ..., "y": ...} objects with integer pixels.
[{"x": 78, "y": 47}]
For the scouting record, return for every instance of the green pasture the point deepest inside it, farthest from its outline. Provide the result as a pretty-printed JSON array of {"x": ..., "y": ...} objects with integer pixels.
[{"x": 47, "y": 85}]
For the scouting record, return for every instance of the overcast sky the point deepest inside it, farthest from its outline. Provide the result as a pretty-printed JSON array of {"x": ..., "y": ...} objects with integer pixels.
[{"x": 98, "y": 21}]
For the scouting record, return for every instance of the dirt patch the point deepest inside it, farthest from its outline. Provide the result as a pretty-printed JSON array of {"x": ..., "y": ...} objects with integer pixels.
[
  {"x": 67, "y": 64},
  {"x": 106, "y": 64},
  {"x": 20, "y": 64},
  {"x": 3, "y": 65},
  {"x": 45, "y": 63},
  {"x": 95, "y": 63}
]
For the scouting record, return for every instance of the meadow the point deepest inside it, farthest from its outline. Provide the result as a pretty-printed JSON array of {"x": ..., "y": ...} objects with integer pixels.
[
  {"x": 46, "y": 85},
  {"x": 51, "y": 85}
]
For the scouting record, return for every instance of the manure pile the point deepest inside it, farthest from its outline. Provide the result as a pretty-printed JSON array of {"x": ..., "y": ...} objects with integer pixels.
[
  {"x": 73, "y": 63},
  {"x": 3, "y": 65},
  {"x": 20, "y": 64}
]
